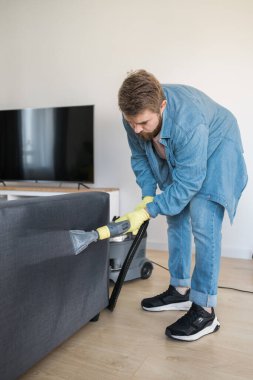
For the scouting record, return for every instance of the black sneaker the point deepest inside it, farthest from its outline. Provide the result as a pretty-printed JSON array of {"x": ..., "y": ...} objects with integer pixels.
[
  {"x": 171, "y": 299},
  {"x": 196, "y": 323}
]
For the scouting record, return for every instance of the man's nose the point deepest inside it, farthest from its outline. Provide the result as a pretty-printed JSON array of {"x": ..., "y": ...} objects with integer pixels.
[{"x": 137, "y": 128}]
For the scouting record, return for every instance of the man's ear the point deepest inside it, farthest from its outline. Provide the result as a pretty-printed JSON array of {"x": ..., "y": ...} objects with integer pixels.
[{"x": 163, "y": 105}]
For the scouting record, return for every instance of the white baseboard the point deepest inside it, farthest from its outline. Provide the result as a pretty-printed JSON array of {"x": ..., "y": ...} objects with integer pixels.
[{"x": 236, "y": 253}]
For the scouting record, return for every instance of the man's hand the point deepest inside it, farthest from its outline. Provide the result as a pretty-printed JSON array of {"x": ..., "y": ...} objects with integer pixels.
[
  {"x": 133, "y": 216},
  {"x": 144, "y": 202},
  {"x": 140, "y": 206},
  {"x": 136, "y": 219}
]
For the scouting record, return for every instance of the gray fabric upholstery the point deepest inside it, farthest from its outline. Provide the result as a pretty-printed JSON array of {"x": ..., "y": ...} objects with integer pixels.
[{"x": 46, "y": 292}]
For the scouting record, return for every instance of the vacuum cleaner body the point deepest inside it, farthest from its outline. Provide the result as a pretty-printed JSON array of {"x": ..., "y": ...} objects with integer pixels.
[{"x": 140, "y": 266}]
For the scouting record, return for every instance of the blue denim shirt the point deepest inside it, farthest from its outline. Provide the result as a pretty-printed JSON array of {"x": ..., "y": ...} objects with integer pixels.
[{"x": 204, "y": 154}]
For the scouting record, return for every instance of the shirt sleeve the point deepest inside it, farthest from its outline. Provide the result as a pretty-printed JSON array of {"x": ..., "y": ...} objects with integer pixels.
[
  {"x": 140, "y": 164},
  {"x": 189, "y": 172}
]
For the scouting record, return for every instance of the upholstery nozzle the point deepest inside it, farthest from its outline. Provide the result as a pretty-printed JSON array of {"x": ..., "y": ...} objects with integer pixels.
[{"x": 82, "y": 239}]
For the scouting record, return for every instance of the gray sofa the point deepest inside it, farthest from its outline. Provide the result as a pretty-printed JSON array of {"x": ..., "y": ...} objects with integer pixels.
[{"x": 46, "y": 292}]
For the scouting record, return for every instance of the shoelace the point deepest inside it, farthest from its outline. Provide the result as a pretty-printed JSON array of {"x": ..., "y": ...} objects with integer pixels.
[{"x": 189, "y": 317}]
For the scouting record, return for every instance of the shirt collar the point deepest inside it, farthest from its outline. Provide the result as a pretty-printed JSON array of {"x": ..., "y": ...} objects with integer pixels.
[{"x": 166, "y": 125}]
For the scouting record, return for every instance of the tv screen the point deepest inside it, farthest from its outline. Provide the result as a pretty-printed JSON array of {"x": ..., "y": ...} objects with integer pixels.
[{"x": 47, "y": 144}]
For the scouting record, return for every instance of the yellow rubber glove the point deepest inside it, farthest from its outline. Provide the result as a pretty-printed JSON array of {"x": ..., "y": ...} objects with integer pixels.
[
  {"x": 122, "y": 218},
  {"x": 140, "y": 206},
  {"x": 136, "y": 219},
  {"x": 144, "y": 202}
]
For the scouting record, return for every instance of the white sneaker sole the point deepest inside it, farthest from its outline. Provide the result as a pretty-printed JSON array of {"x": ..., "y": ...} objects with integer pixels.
[
  {"x": 208, "y": 330},
  {"x": 173, "y": 306}
]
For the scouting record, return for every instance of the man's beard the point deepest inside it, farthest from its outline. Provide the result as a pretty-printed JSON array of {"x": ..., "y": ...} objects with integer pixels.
[{"x": 148, "y": 136}]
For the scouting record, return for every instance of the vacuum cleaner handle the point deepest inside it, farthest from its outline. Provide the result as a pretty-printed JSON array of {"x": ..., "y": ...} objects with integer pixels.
[{"x": 126, "y": 265}]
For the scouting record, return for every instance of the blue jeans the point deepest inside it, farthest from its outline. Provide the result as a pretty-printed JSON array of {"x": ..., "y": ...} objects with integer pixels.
[{"x": 204, "y": 219}]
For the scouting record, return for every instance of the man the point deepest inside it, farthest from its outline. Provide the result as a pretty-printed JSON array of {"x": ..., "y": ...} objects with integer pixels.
[{"x": 190, "y": 146}]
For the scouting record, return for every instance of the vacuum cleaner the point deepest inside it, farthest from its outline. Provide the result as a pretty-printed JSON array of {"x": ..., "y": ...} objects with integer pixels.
[
  {"x": 127, "y": 255},
  {"x": 119, "y": 247}
]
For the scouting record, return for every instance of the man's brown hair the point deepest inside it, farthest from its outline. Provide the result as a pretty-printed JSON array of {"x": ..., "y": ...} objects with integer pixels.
[{"x": 140, "y": 91}]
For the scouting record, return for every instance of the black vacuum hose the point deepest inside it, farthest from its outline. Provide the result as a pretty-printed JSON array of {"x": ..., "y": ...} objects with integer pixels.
[{"x": 126, "y": 265}]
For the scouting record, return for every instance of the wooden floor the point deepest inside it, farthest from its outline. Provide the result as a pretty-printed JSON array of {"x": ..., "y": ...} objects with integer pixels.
[{"x": 130, "y": 343}]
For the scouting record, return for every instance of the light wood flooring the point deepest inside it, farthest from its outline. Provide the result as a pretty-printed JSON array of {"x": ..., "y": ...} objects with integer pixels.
[{"x": 130, "y": 343}]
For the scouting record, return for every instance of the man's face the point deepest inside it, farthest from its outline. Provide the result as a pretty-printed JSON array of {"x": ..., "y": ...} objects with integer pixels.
[{"x": 146, "y": 124}]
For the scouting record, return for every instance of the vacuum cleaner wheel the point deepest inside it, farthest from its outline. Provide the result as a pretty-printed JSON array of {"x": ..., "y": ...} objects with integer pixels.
[{"x": 146, "y": 270}]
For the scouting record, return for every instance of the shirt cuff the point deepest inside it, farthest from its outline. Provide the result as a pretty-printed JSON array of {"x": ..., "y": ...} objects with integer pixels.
[
  {"x": 148, "y": 191},
  {"x": 153, "y": 209}
]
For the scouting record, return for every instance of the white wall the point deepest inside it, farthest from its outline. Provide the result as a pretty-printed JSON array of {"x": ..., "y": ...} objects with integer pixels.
[{"x": 62, "y": 52}]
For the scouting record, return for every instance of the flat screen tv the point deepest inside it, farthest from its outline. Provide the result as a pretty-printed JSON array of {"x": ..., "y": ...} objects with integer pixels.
[{"x": 47, "y": 144}]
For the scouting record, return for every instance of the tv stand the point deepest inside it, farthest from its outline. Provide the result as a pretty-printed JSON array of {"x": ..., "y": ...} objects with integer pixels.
[
  {"x": 82, "y": 184},
  {"x": 16, "y": 192}
]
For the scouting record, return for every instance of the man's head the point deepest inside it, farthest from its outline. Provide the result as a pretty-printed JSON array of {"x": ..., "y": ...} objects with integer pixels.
[{"x": 142, "y": 102}]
